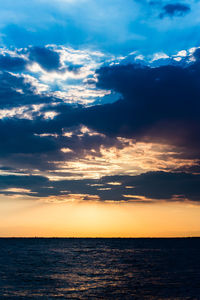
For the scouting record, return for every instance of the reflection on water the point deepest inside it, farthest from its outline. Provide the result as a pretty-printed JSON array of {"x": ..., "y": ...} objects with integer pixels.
[{"x": 100, "y": 269}]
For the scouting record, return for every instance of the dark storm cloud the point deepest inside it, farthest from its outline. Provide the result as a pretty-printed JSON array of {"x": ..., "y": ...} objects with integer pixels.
[
  {"x": 20, "y": 148},
  {"x": 163, "y": 185},
  {"x": 23, "y": 145},
  {"x": 160, "y": 103},
  {"x": 175, "y": 9},
  {"x": 152, "y": 186},
  {"x": 10, "y": 63},
  {"x": 17, "y": 137},
  {"x": 13, "y": 181},
  {"x": 47, "y": 58},
  {"x": 17, "y": 91}
]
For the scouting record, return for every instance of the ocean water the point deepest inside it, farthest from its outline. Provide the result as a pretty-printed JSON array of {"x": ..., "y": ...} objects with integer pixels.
[{"x": 100, "y": 268}]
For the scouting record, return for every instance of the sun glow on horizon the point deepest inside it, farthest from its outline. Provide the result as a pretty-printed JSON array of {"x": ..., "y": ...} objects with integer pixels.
[{"x": 93, "y": 219}]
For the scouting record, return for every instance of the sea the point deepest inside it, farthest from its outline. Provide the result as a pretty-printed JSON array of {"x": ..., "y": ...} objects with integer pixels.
[{"x": 99, "y": 268}]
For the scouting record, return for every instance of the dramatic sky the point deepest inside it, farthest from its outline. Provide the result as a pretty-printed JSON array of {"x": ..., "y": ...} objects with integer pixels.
[{"x": 100, "y": 118}]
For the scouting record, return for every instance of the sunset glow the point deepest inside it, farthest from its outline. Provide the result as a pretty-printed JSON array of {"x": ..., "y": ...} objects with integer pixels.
[{"x": 99, "y": 118}]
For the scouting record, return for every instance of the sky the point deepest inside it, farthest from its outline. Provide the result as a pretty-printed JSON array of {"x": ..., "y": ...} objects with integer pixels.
[{"x": 99, "y": 118}]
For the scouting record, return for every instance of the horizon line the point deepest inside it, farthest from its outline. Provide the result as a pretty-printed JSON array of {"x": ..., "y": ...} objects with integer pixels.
[{"x": 60, "y": 237}]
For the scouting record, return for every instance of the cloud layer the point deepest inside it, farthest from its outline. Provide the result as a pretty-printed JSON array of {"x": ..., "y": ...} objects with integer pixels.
[
  {"x": 145, "y": 112},
  {"x": 152, "y": 186}
]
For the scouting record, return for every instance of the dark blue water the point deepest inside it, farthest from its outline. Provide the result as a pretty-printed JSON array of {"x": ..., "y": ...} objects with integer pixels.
[{"x": 99, "y": 268}]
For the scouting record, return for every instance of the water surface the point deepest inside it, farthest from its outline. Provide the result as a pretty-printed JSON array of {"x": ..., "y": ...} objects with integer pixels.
[{"x": 100, "y": 268}]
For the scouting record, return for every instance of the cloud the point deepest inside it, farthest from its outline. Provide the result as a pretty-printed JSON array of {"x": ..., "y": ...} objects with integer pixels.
[
  {"x": 9, "y": 63},
  {"x": 175, "y": 9},
  {"x": 159, "y": 106},
  {"x": 151, "y": 186},
  {"x": 17, "y": 90},
  {"x": 158, "y": 103},
  {"x": 45, "y": 57},
  {"x": 39, "y": 144},
  {"x": 153, "y": 125}
]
